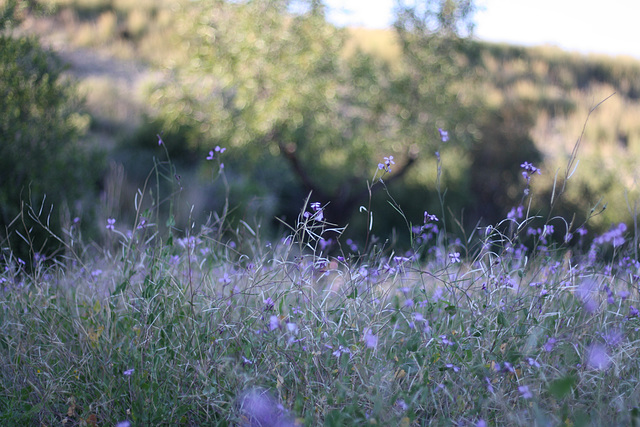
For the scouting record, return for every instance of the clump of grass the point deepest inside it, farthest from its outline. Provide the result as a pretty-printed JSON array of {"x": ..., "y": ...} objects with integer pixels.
[{"x": 215, "y": 325}]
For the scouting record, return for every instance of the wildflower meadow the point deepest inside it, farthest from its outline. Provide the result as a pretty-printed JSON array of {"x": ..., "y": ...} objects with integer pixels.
[
  {"x": 235, "y": 213},
  {"x": 523, "y": 322}
]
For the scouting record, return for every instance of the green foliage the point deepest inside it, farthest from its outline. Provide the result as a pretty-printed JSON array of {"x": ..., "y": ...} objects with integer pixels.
[
  {"x": 252, "y": 71},
  {"x": 42, "y": 160},
  {"x": 548, "y": 93},
  {"x": 306, "y": 107},
  {"x": 270, "y": 84}
]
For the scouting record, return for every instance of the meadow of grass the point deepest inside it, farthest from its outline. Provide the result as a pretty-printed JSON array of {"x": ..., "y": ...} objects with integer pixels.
[{"x": 218, "y": 325}]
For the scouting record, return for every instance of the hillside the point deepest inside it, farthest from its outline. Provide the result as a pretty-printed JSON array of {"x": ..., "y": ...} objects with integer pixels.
[
  {"x": 118, "y": 52},
  {"x": 559, "y": 89}
]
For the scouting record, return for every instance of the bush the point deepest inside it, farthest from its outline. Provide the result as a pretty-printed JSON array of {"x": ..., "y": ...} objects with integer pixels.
[{"x": 43, "y": 162}]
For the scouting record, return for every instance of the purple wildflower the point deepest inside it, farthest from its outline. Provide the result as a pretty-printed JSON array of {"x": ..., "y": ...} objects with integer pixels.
[
  {"x": 363, "y": 272},
  {"x": 524, "y": 391},
  {"x": 548, "y": 347},
  {"x": 341, "y": 350},
  {"x": 274, "y": 323},
  {"x": 225, "y": 279},
  {"x": 259, "y": 408},
  {"x": 128, "y": 372},
  {"x": 516, "y": 213},
  {"x": 613, "y": 337},
  {"x": 370, "y": 340},
  {"x": 400, "y": 259},
  {"x": 615, "y": 236},
  {"x": 111, "y": 224},
  {"x": 489, "y": 386},
  {"x": 533, "y": 362},
  {"x": 454, "y": 257},
  {"x": 598, "y": 358},
  {"x": 428, "y": 217},
  {"x": 324, "y": 243},
  {"x": 530, "y": 168},
  {"x": 445, "y": 340},
  {"x": 444, "y": 135},
  {"x": 386, "y": 166},
  {"x": 586, "y": 292}
]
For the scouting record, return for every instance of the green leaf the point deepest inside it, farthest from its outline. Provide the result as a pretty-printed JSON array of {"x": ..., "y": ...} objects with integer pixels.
[
  {"x": 562, "y": 386},
  {"x": 120, "y": 288},
  {"x": 502, "y": 321}
]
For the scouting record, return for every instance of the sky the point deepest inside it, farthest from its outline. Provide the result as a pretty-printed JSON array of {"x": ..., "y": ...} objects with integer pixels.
[{"x": 609, "y": 27}]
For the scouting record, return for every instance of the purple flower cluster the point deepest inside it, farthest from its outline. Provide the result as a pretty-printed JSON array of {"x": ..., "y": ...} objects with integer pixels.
[
  {"x": 615, "y": 236},
  {"x": 212, "y": 154},
  {"x": 525, "y": 392},
  {"x": 316, "y": 212},
  {"x": 386, "y": 166},
  {"x": 260, "y": 408},
  {"x": 528, "y": 171},
  {"x": 454, "y": 257},
  {"x": 444, "y": 135},
  {"x": 516, "y": 213},
  {"x": 370, "y": 339}
]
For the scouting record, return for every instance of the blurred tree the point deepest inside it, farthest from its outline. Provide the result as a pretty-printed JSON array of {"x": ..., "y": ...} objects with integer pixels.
[
  {"x": 267, "y": 82},
  {"x": 41, "y": 156},
  {"x": 496, "y": 180}
]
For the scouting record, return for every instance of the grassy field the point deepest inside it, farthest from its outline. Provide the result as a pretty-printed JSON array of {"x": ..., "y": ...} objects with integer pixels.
[
  {"x": 218, "y": 326},
  {"x": 223, "y": 323}
]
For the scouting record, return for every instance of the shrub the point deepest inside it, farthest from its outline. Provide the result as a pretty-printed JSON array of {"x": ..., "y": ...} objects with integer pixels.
[{"x": 43, "y": 161}]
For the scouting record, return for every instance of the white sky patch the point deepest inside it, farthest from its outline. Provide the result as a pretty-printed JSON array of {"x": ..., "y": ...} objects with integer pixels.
[{"x": 611, "y": 27}]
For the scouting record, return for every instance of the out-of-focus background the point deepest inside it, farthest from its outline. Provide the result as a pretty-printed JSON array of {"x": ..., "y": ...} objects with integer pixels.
[{"x": 310, "y": 96}]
